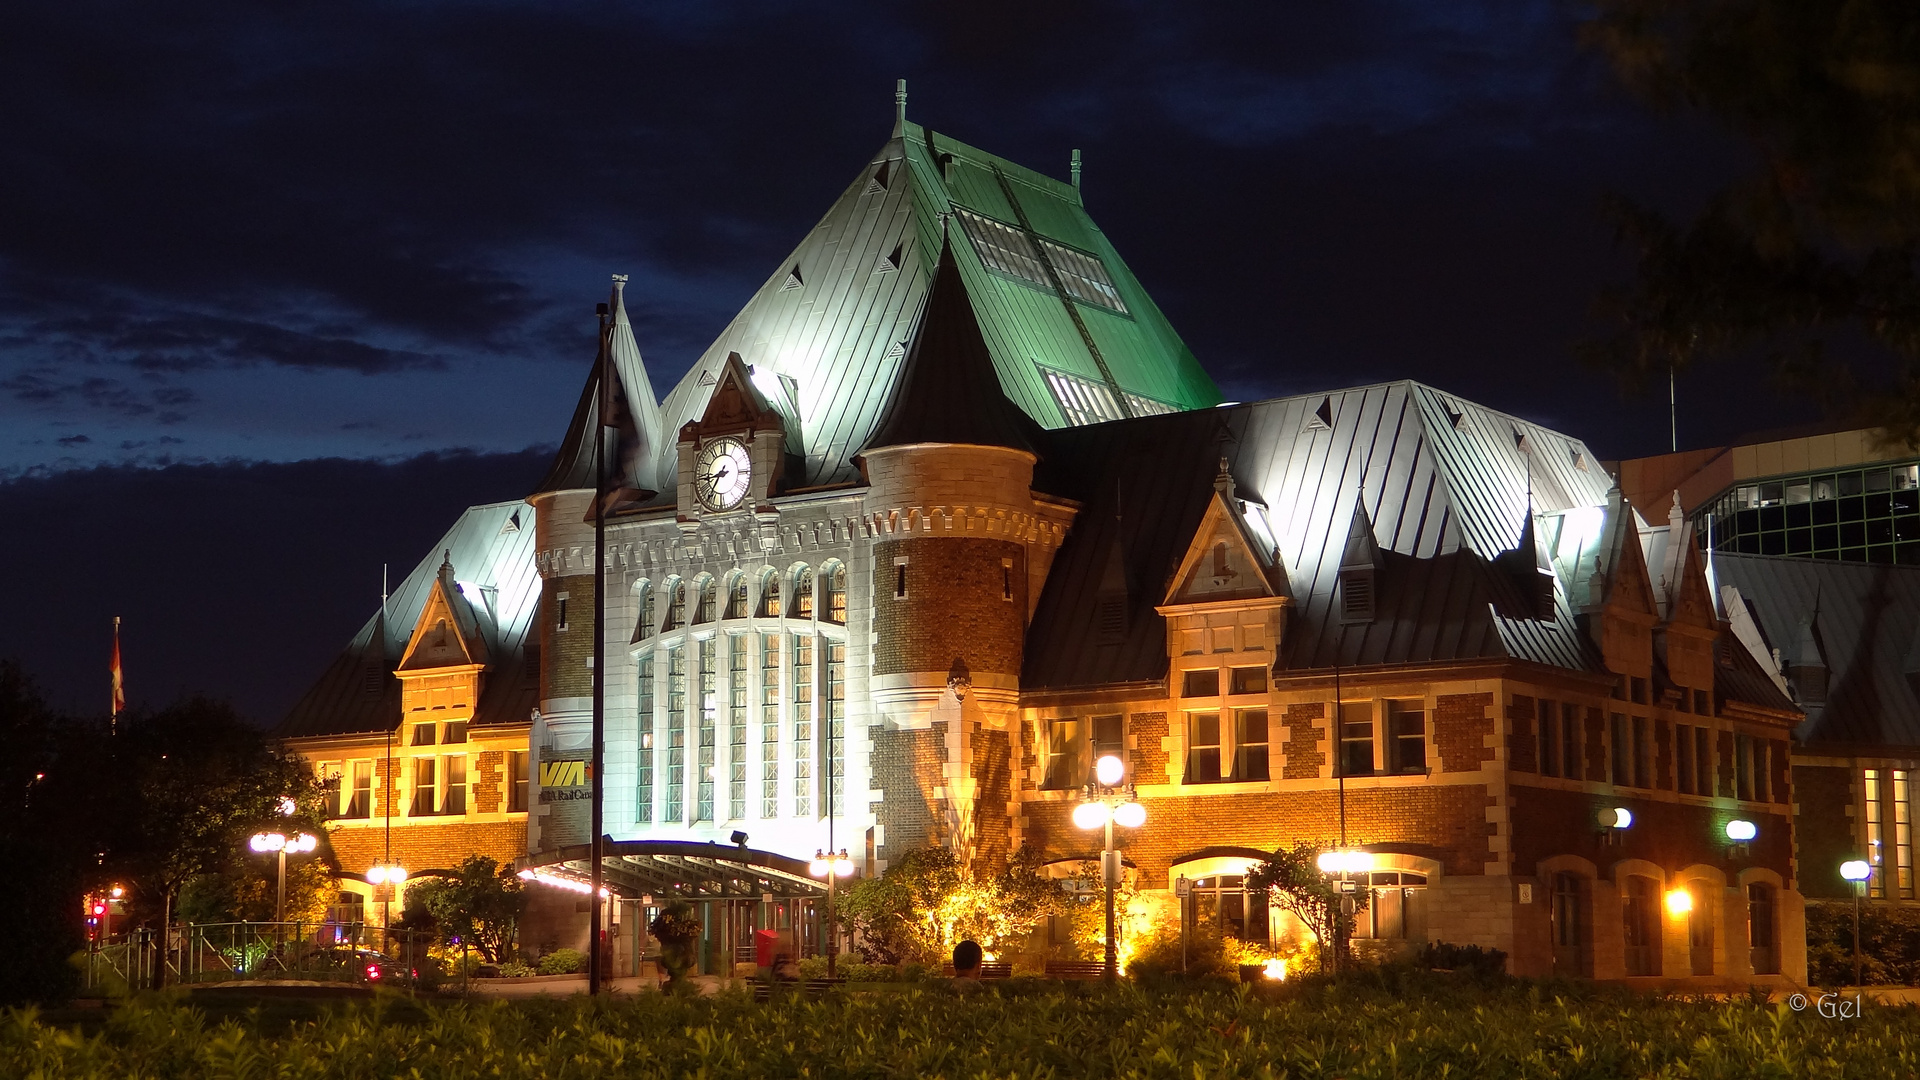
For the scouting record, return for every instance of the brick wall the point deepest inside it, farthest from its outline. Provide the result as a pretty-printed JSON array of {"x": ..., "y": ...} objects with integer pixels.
[
  {"x": 1446, "y": 822},
  {"x": 954, "y": 608},
  {"x": 1550, "y": 822},
  {"x": 1825, "y": 827},
  {"x": 1461, "y": 725},
  {"x": 993, "y": 772},
  {"x": 1522, "y": 750},
  {"x": 1305, "y": 758},
  {"x": 430, "y": 847},
  {"x": 488, "y": 787},
  {"x": 1149, "y": 752},
  {"x": 564, "y": 653},
  {"x": 907, "y": 765}
]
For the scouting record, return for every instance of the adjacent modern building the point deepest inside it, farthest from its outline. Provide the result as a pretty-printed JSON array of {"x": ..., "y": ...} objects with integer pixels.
[{"x": 949, "y": 512}]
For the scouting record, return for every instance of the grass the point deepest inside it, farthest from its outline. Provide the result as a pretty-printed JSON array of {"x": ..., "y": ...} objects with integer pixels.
[{"x": 1414, "y": 1027}]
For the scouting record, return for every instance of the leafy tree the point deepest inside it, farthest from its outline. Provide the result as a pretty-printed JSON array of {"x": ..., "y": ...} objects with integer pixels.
[
  {"x": 38, "y": 846},
  {"x": 928, "y": 901},
  {"x": 1821, "y": 238},
  {"x": 1292, "y": 880},
  {"x": 480, "y": 905}
]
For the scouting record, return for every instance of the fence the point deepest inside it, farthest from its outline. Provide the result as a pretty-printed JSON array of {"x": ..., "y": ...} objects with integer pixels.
[{"x": 225, "y": 952}]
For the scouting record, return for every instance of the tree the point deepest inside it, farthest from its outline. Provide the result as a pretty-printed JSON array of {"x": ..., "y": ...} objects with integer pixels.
[
  {"x": 480, "y": 906},
  {"x": 38, "y": 846},
  {"x": 1821, "y": 238},
  {"x": 1292, "y": 880},
  {"x": 928, "y": 901}
]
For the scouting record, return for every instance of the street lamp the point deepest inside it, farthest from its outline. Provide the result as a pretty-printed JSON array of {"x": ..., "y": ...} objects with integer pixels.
[
  {"x": 386, "y": 878},
  {"x": 280, "y": 844},
  {"x": 1109, "y": 801},
  {"x": 1856, "y": 871},
  {"x": 1344, "y": 862},
  {"x": 833, "y": 867}
]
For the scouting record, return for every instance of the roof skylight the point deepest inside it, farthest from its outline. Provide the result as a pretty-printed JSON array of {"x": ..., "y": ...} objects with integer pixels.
[{"x": 1009, "y": 250}]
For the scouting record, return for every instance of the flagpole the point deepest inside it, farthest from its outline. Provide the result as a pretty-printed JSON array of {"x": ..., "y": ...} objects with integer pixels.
[
  {"x": 596, "y": 974},
  {"x": 119, "y": 688}
]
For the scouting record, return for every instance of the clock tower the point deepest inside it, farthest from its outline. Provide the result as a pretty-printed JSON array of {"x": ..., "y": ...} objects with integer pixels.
[{"x": 732, "y": 458}]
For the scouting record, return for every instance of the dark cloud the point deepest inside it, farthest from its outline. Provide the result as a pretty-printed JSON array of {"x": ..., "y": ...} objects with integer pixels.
[
  {"x": 74, "y": 440},
  {"x": 243, "y": 579}
]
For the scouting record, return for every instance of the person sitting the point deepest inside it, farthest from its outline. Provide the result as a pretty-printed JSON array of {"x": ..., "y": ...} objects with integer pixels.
[{"x": 966, "y": 960}]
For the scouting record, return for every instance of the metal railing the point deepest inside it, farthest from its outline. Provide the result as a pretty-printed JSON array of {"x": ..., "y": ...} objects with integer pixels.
[{"x": 195, "y": 953}]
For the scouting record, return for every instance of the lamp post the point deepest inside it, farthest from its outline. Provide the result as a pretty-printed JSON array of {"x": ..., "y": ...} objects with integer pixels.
[
  {"x": 386, "y": 877},
  {"x": 1109, "y": 801},
  {"x": 832, "y": 866},
  {"x": 1344, "y": 862},
  {"x": 1856, "y": 871},
  {"x": 279, "y": 844}
]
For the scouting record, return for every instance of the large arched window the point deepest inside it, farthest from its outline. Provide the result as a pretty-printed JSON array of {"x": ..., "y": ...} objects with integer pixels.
[
  {"x": 1396, "y": 907},
  {"x": 803, "y": 592},
  {"x": 769, "y": 594},
  {"x": 676, "y": 605},
  {"x": 1700, "y": 926},
  {"x": 835, "y": 577},
  {"x": 1761, "y": 932},
  {"x": 703, "y": 607},
  {"x": 1569, "y": 926},
  {"x": 645, "y": 628},
  {"x": 1640, "y": 924},
  {"x": 736, "y": 596},
  {"x": 1224, "y": 902}
]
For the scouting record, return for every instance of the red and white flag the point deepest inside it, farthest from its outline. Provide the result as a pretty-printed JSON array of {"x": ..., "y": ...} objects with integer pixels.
[{"x": 119, "y": 691}]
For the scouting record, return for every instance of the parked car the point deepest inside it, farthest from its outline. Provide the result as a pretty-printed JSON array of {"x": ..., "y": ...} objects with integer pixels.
[{"x": 366, "y": 965}]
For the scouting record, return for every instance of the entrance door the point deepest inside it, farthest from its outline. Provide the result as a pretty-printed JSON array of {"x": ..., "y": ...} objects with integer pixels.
[
  {"x": 1569, "y": 929},
  {"x": 1760, "y": 930},
  {"x": 1640, "y": 925},
  {"x": 1700, "y": 928}
]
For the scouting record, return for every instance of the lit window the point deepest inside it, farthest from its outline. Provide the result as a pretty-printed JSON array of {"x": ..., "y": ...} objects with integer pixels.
[
  {"x": 1224, "y": 902},
  {"x": 803, "y": 593},
  {"x": 703, "y": 607},
  {"x": 676, "y": 605},
  {"x": 643, "y": 780},
  {"x": 1250, "y": 744},
  {"x": 1356, "y": 738},
  {"x": 1010, "y": 250},
  {"x": 836, "y": 578},
  {"x": 737, "y": 648},
  {"x": 359, "y": 796},
  {"x": 424, "y": 788},
  {"x": 1407, "y": 725},
  {"x": 645, "y": 629},
  {"x": 1203, "y": 748},
  {"x": 737, "y": 596},
  {"x": 517, "y": 781},
  {"x": 1066, "y": 755},
  {"x": 423, "y": 734},
  {"x": 769, "y": 594},
  {"x": 1205, "y": 683},
  {"x": 454, "y": 801},
  {"x": 1396, "y": 908},
  {"x": 456, "y": 732},
  {"x": 1081, "y": 401},
  {"x": 1249, "y": 680}
]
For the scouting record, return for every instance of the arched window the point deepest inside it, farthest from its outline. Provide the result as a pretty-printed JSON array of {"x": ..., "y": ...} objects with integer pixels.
[
  {"x": 1569, "y": 931},
  {"x": 769, "y": 594},
  {"x": 1224, "y": 901},
  {"x": 803, "y": 593},
  {"x": 1640, "y": 925},
  {"x": 836, "y": 579},
  {"x": 737, "y": 596},
  {"x": 645, "y": 629},
  {"x": 1700, "y": 927},
  {"x": 703, "y": 607},
  {"x": 1397, "y": 908},
  {"x": 1760, "y": 929},
  {"x": 676, "y": 605}
]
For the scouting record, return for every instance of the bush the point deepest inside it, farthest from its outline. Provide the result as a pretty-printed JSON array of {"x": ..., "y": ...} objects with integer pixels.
[
  {"x": 1889, "y": 945},
  {"x": 514, "y": 969},
  {"x": 1209, "y": 955},
  {"x": 1471, "y": 959},
  {"x": 563, "y": 962}
]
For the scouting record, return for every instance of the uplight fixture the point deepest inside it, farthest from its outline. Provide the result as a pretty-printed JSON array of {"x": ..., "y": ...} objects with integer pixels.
[{"x": 1679, "y": 901}]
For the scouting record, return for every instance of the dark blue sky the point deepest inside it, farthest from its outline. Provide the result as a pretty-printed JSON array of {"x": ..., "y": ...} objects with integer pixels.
[{"x": 234, "y": 233}]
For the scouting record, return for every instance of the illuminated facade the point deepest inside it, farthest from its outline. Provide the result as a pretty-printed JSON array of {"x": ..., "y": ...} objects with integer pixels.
[{"x": 948, "y": 513}]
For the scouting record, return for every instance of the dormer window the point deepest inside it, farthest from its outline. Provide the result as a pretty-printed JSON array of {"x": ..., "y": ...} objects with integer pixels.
[
  {"x": 803, "y": 593},
  {"x": 769, "y": 594},
  {"x": 703, "y": 607}
]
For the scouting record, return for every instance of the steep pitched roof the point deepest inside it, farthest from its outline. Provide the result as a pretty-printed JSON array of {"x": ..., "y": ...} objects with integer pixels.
[
  {"x": 1445, "y": 489},
  {"x": 492, "y": 548},
  {"x": 947, "y": 391},
  {"x": 1059, "y": 312},
  {"x": 642, "y": 440},
  {"x": 1858, "y": 621}
]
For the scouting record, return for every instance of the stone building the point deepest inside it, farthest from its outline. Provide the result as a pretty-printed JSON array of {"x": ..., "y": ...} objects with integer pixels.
[{"x": 948, "y": 512}]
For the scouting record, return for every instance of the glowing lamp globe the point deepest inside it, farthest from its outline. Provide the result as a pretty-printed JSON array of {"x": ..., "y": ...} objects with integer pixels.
[
  {"x": 1345, "y": 862},
  {"x": 377, "y": 874},
  {"x": 1679, "y": 901},
  {"x": 1855, "y": 870},
  {"x": 1109, "y": 770},
  {"x": 1741, "y": 831},
  {"x": 1090, "y": 815},
  {"x": 1616, "y": 817},
  {"x": 1130, "y": 815},
  {"x": 819, "y": 867},
  {"x": 843, "y": 866},
  {"x": 304, "y": 843}
]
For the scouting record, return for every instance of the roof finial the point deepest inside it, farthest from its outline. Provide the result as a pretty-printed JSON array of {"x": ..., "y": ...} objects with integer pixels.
[
  {"x": 899, "y": 107},
  {"x": 619, "y": 286},
  {"x": 1223, "y": 482},
  {"x": 446, "y": 562},
  {"x": 1075, "y": 167}
]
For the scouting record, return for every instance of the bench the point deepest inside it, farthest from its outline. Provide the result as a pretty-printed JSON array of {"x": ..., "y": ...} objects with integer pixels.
[
  {"x": 1076, "y": 969},
  {"x": 813, "y": 988},
  {"x": 996, "y": 969}
]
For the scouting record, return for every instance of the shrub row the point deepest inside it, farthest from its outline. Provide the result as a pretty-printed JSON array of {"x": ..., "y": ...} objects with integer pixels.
[{"x": 1420, "y": 1025}]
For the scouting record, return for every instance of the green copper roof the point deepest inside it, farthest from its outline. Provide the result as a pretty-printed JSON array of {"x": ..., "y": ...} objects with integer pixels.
[{"x": 1064, "y": 320}]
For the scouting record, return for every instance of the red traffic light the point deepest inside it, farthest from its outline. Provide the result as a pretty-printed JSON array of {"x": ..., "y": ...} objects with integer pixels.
[{"x": 99, "y": 909}]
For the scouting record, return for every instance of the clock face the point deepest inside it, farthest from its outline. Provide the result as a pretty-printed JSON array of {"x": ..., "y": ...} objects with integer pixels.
[{"x": 721, "y": 473}]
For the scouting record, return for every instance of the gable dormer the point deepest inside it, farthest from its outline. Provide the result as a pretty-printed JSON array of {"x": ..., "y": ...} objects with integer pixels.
[
  {"x": 440, "y": 670},
  {"x": 1359, "y": 569},
  {"x": 1230, "y": 588},
  {"x": 1621, "y": 609},
  {"x": 736, "y": 411}
]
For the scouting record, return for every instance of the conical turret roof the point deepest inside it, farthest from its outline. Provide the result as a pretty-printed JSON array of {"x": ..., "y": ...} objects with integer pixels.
[{"x": 948, "y": 391}]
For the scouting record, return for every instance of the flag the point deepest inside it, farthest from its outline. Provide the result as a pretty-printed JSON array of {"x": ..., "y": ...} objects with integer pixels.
[{"x": 119, "y": 691}]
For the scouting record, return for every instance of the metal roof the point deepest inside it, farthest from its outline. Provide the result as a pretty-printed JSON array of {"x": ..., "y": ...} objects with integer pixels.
[
  {"x": 1859, "y": 621},
  {"x": 827, "y": 333},
  {"x": 491, "y": 549},
  {"x": 1445, "y": 484},
  {"x": 681, "y": 869}
]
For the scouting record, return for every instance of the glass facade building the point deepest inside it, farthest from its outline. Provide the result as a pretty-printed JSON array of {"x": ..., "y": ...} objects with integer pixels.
[{"x": 1868, "y": 514}]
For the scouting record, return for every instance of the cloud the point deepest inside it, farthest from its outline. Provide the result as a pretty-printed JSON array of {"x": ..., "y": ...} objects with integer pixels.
[{"x": 74, "y": 440}]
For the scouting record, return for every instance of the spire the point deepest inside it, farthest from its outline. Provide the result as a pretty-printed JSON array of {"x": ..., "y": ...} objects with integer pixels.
[
  {"x": 899, "y": 108},
  {"x": 947, "y": 390},
  {"x": 642, "y": 437}
]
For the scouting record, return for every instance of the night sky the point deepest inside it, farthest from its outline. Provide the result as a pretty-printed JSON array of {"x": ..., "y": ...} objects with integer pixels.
[{"x": 283, "y": 287}]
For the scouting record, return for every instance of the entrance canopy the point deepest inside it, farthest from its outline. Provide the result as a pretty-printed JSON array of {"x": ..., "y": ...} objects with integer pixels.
[{"x": 680, "y": 869}]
